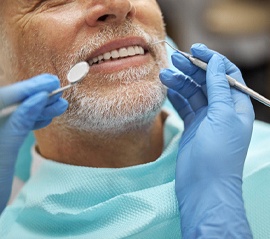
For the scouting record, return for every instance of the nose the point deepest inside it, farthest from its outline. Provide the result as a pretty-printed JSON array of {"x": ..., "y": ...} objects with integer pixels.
[{"x": 109, "y": 11}]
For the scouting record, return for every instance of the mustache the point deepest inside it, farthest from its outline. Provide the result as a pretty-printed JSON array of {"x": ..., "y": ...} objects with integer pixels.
[{"x": 109, "y": 33}]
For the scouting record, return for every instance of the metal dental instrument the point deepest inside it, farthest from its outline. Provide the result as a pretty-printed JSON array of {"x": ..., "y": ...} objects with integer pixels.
[
  {"x": 234, "y": 83},
  {"x": 76, "y": 74}
]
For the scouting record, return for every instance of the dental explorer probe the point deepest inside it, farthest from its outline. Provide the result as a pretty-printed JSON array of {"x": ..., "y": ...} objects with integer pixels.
[
  {"x": 233, "y": 82},
  {"x": 75, "y": 74}
]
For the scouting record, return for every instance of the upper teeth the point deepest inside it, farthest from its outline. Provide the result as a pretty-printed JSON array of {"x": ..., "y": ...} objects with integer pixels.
[{"x": 115, "y": 54}]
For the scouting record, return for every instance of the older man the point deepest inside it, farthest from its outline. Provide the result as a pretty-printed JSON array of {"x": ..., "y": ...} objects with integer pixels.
[{"x": 107, "y": 164}]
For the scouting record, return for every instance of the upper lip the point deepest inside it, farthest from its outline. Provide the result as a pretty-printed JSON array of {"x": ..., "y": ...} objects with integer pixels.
[{"x": 117, "y": 44}]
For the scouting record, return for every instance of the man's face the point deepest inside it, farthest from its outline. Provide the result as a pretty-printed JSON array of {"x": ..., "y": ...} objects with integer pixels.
[{"x": 123, "y": 88}]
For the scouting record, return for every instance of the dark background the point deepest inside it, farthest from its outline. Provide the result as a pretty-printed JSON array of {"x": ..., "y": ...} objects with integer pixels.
[{"x": 239, "y": 29}]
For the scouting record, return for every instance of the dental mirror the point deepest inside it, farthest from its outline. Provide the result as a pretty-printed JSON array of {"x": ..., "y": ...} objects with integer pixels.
[{"x": 76, "y": 74}]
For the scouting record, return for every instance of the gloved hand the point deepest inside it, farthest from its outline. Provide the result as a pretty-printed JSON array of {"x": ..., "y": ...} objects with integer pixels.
[
  {"x": 36, "y": 111},
  {"x": 218, "y": 126}
]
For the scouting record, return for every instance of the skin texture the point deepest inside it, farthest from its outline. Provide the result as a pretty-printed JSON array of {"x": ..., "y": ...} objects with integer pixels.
[{"x": 51, "y": 36}]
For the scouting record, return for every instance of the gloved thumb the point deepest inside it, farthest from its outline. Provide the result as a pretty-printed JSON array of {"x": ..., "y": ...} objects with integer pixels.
[{"x": 218, "y": 88}]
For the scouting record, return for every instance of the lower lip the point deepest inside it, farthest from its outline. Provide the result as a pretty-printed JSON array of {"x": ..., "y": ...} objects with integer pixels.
[{"x": 120, "y": 64}]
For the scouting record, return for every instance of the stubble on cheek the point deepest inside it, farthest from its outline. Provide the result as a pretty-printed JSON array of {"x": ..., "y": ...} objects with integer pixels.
[
  {"x": 37, "y": 56},
  {"x": 38, "y": 52},
  {"x": 8, "y": 59}
]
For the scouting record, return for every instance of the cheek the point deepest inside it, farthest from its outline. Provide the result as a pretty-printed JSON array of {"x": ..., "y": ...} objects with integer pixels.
[
  {"x": 32, "y": 53},
  {"x": 150, "y": 15},
  {"x": 43, "y": 48}
]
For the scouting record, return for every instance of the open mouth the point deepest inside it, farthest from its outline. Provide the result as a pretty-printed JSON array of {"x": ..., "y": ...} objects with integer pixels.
[{"x": 117, "y": 54}]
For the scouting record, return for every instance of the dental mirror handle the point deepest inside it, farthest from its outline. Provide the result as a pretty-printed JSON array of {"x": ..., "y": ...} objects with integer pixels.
[
  {"x": 76, "y": 74},
  {"x": 55, "y": 92},
  {"x": 10, "y": 109}
]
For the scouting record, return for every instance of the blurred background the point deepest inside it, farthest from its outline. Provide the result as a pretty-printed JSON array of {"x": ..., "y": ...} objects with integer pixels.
[{"x": 239, "y": 29}]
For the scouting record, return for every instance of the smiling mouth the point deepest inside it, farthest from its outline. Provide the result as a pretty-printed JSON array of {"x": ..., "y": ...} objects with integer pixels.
[{"x": 118, "y": 54}]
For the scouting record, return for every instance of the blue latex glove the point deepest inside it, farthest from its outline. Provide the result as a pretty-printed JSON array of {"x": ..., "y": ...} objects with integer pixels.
[
  {"x": 36, "y": 111},
  {"x": 218, "y": 126}
]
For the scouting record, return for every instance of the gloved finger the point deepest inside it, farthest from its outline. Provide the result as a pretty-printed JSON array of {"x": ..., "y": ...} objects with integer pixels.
[
  {"x": 53, "y": 110},
  {"x": 183, "y": 64},
  {"x": 243, "y": 104},
  {"x": 203, "y": 53},
  {"x": 186, "y": 87},
  {"x": 41, "y": 124},
  {"x": 188, "y": 68},
  {"x": 182, "y": 106},
  {"x": 241, "y": 101},
  {"x": 219, "y": 93},
  {"x": 24, "y": 118},
  {"x": 15, "y": 93}
]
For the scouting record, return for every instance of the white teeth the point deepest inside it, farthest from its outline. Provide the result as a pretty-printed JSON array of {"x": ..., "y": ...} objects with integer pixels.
[
  {"x": 120, "y": 53},
  {"x": 123, "y": 52},
  {"x": 131, "y": 51},
  {"x": 107, "y": 56},
  {"x": 100, "y": 57},
  {"x": 115, "y": 54},
  {"x": 137, "y": 50}
]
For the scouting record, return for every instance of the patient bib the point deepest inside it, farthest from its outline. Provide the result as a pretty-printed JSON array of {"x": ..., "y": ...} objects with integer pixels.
[{"x": 63, "y": 201}]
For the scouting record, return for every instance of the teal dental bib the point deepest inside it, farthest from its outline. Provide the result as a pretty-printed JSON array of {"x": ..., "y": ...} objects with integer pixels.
[{"x": 63, "y": 201}]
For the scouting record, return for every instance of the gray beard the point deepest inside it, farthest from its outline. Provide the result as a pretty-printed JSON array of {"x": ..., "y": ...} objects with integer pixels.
[{"x": 132, "y": 105}]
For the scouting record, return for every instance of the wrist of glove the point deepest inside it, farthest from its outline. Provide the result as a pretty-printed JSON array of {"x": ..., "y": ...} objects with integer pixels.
[
  {"x": 36, "y": 110},
  {"x": 218, "y": 126},
  {"x": 217, "y": 212}
]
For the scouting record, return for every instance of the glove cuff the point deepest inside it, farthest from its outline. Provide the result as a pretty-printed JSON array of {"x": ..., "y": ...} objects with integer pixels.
[{"x": 213, "y": 206}]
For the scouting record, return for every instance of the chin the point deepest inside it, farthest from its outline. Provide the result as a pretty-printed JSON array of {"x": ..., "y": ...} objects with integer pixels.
[
  {"x": 132, "y": 104},
  {"x": 117, "y": 103}
]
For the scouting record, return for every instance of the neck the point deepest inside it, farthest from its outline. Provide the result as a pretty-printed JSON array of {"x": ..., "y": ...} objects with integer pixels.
[{"x": 139, "y": 146}]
